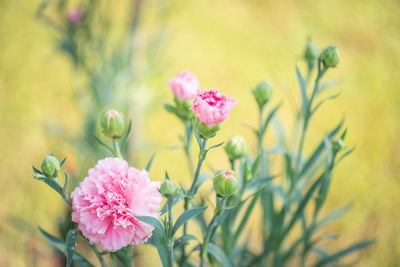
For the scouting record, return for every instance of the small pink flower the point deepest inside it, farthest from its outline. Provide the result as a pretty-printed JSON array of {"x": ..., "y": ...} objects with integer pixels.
[
  {"x": 184, "y": 85},
  {"x": 105, "y": 203},
  {"x": 211, "y": 107},
  {"x": 75, "y": 15}
]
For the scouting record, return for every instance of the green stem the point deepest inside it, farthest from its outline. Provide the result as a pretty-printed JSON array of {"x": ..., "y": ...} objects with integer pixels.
[
  {"x": 117, "y": 149},
  {"x": 307, "y": 116},
  {"x": 170, "y": 234},
  {"x": 188, "y": 131},
  {"x": 202, "y": 155},
  {"x": 211, "y": 231}
]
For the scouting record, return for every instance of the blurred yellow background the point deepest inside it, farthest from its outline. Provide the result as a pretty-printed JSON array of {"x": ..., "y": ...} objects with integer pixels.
[{"x": 231, "y": 45}]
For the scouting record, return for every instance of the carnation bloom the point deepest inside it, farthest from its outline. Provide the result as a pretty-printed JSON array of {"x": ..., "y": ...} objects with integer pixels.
[
  {"x": 105, "y": 203},
  {"x": 184, "y": 86},
  {"x": 75, "y": 15},
  {"x": 211, "y": 107}
]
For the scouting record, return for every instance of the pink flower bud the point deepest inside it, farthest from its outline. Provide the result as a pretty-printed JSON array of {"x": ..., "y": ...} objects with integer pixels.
[
  {"x": 184, "y": 86},
  {"x": 75, "y": 15},
  {"x": 211, "y": 107}
]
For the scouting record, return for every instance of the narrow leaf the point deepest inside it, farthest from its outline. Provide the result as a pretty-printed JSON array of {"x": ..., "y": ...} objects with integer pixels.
[
  {"x": 150, "y": 162},
  {"x": 183, "y": 240},
  {"x": 303, "y": 90},
  {"x": 71, "y": 243},
  {"x": 340, "y": 254},
  {"x": 152, "y": 221},
  {"x": 60, "y": 245},
  {"x": 219, "y": 254},
  {"x": 186, "y": 216}
]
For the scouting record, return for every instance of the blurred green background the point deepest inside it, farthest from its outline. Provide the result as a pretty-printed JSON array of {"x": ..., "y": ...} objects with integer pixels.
[{"x": 231, "y": 45}]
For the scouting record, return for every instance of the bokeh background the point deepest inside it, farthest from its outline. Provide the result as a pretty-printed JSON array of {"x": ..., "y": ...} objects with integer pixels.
[{"x": 231, "y": 45}]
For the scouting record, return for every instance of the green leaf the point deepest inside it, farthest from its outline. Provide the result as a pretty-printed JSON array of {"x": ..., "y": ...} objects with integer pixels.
[
  {"x": 332, "y": 216},
  {"x": 62, "y": 162},
  {"x": 270, "y": 117},
  {"x": 60, "y": 245},
  {"x": 36, "y": 170},
  {"x": 203, "y": 177},
  {"x": 70, "y": 244},
  {"x": 187, "y": 215},
  {"x": 183, "y": 240},
  {"x": 126, "y": 136},
  {"x": 158, "y": 240},
  {"x": 150, "y": 162},
  {"x": 104, "y": 145},
  {"x": 152, "y": 221},
  {"x": 170, "y": 108},
  {"x": 303, "y": 90},
  {"x": 219, "y": 254},
  {"x": 318, "y": 151},
  {"x": 215, "y": 146},
  {"x": 245, "y": 218},
  {"x": 340, "y": 254},
  {"x": 320, "y": 252},
  {"x": 302, "y": 205}
]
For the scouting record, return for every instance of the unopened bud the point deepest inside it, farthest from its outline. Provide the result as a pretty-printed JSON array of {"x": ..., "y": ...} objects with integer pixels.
[
  {"x": 311, "y": 53},
  {"x": 168, "y": 189},
  {"x": 226, "y": 184},
  {"x": 50, "y": 166},
  {"x": 112, "y": 123},
  {"x": 236, "y": 147},
  {"x": 330, "y": 56},
  {"x": 262, "y": 93}
]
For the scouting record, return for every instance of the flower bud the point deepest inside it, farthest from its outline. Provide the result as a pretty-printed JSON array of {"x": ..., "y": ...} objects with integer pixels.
[
  {"x": 236, "y": 147},
  {"x": 262, "y": 93},
  {"x": 206, "y": 131},
  {"x": 330, "y": 56},
  {"x": 225, "y": 184},
  {"x": 112, "y": 123},
  {"x": 50, "y": 166},
  {"x": 169, "y": 189},
  {"x": 311, "y": 54}
]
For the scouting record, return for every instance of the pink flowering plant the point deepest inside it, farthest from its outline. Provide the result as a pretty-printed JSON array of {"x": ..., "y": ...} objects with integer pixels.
[{"x": 117, "y": 206}]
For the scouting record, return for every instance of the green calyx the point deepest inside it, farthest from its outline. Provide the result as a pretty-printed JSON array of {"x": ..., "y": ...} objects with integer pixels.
[
  {"x": 182, "y": 109},
  {"x": 205, "y": 131},
  {"x": 112, "y": 123}
]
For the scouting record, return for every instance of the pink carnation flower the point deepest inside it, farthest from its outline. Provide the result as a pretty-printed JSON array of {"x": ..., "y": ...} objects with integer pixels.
[
  {"x": 105, "y": 203},
  {"x": 75, "y": 15},
  {"x": 211, "y": 107},
  {"x": 184, "y": 85}
]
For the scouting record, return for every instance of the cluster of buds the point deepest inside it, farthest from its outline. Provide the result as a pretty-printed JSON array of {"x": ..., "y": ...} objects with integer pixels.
[
  {"x": 112, "y": 123},
  {"x": 329, "y": 57},
  {"x": 208, "y": 107}
]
